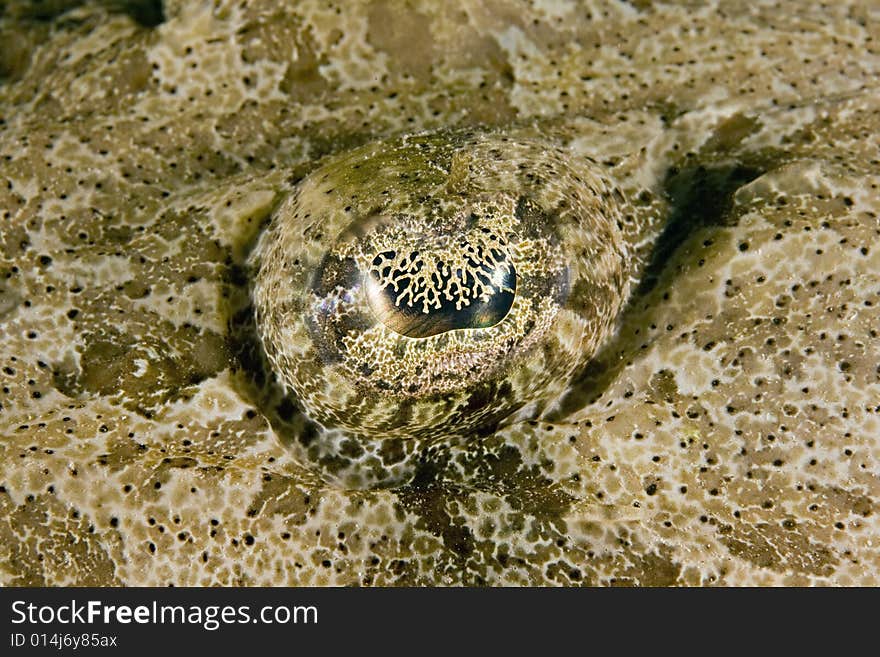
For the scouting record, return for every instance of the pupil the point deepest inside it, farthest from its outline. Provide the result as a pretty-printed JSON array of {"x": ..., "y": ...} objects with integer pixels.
[{"x": 419, "y": 297}]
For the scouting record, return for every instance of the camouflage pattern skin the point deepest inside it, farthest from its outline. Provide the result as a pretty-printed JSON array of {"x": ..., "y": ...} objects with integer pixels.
[{"x": 720, "y": 428}]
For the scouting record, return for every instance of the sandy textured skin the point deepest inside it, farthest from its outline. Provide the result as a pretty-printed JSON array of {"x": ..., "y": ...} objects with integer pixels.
[{"x": 727, "y": 432}]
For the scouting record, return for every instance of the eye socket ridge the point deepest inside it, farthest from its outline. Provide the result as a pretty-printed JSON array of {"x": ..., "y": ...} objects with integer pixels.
[{"x": 504, "y": 305}]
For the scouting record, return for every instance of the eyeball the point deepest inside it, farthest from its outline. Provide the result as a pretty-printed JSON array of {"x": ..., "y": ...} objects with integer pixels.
[{"x": 437, "y": 283}]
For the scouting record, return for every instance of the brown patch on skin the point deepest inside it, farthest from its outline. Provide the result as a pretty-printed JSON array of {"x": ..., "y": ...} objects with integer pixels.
[
  {"x": 493, "y": 107},
  {"x": 642, "y": 5},
  {"x": 15, "y": 56},
  {"x": 296, "y": 47},
  {"x": 133, "y": 75},
  {"x": 778, "y": 548},
  {"x": 392, "y": 451},
  {"x": 144, "y": 372},
  {"x": 663, "y": 386},
  {"x": 480, "y": 51},
  {"x": 537, "y": 505},
  {"x": 283, "y": 496},
  {"x": 589, "y": 300},
  {"x": 122, "y": 453},
  {"x": 846, "y": 501},
  {"x": 47, "y": 542},
  {"x": 651, "y": 569},
  {"x": 731, "y": 132},
  {"x": 393, "y": 28},
  {"x": 428, "y": 502},
  {"x": 14, "y": 240},
  {"x": 9, "y": 300}
]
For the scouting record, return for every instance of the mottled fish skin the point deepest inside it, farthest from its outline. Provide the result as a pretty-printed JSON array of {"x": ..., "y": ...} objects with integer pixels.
[{"x": 727, "y": 433}]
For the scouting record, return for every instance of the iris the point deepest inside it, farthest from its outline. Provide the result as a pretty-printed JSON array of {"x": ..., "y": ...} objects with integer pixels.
[{"x": 476, "y": 296}]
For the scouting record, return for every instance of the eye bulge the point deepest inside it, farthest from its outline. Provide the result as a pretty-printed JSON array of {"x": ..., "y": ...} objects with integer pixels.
[{"x": 436, "y": 283}]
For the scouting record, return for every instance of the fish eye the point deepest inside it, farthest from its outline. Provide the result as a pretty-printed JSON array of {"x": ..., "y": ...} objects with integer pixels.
[
  {"x": 437, "y": 283},
  {"x": 418, "y": 294}
]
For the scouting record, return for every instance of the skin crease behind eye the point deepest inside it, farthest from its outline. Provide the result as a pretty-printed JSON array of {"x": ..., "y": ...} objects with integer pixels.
[{"x": 726, "y": 434}]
